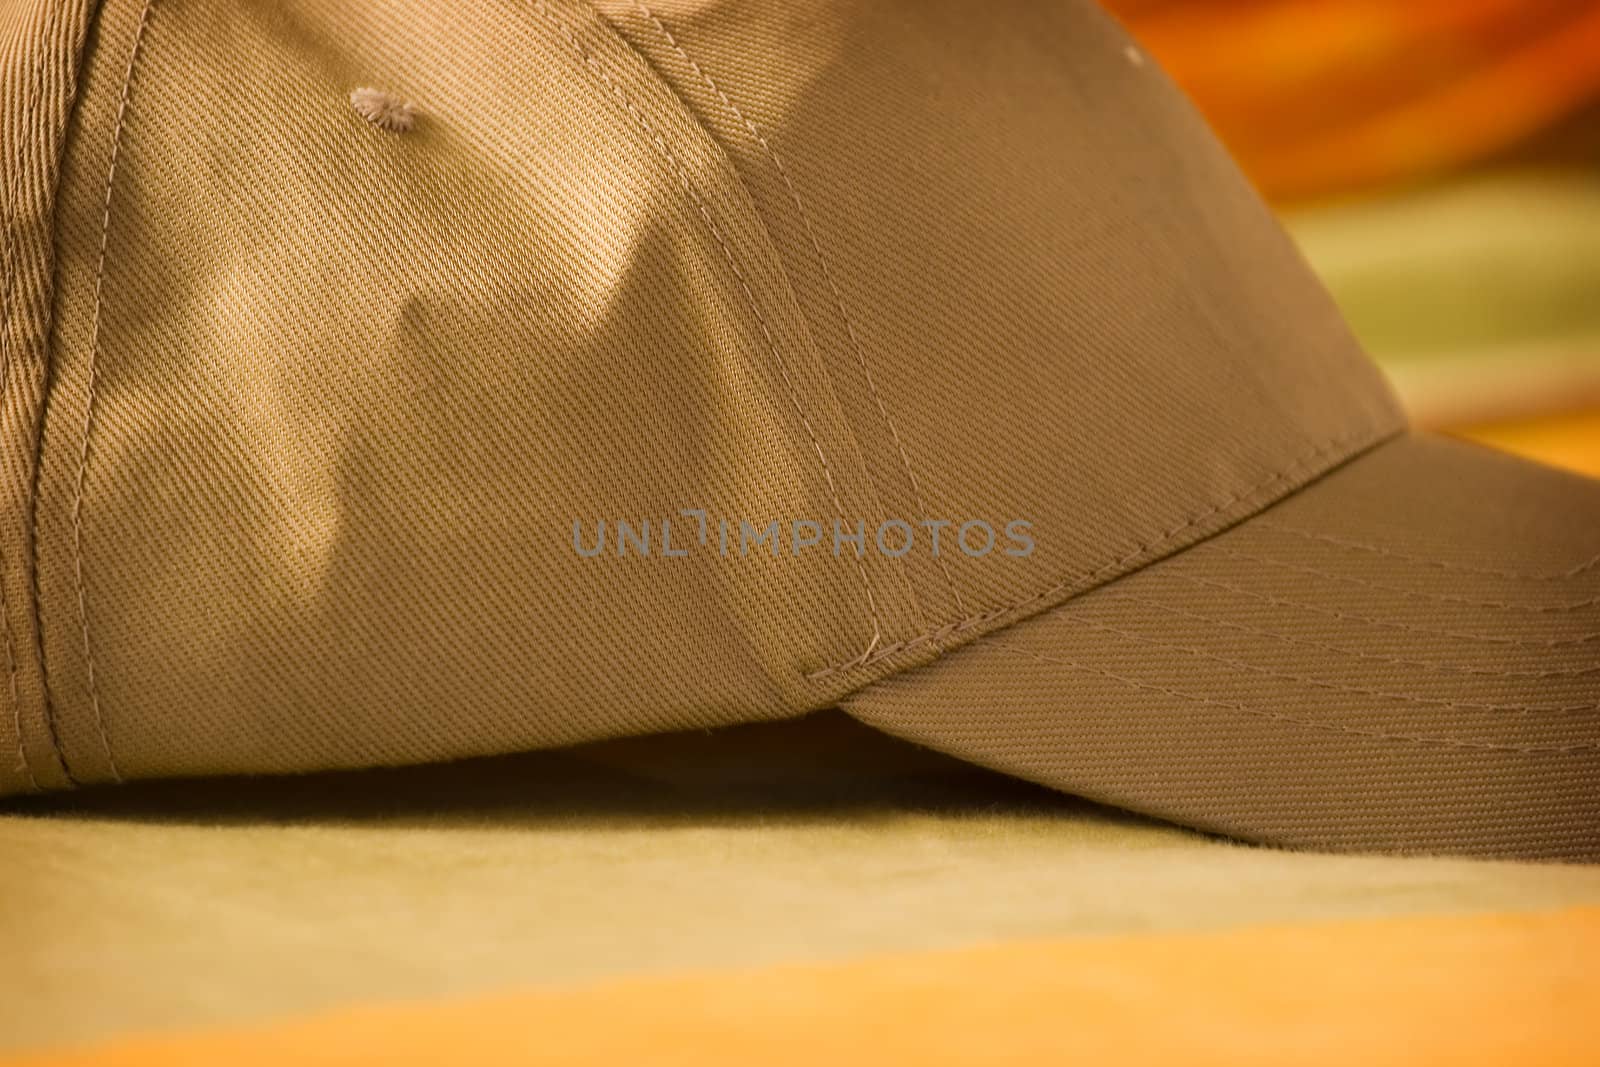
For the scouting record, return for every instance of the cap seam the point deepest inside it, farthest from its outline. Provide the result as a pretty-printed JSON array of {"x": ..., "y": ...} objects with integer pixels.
[
  {"x": 1081, "y": 582},
  {"x": 1463, "y": 635},
  {"x": 593, "y": 66},
  {"x": 118, "y": 126},
  {"x": 1555, "y": 710},
  {"x": 1493, "y": 572},
  {"x": 1430, "y": 666},
  {"x": 12, "y": 218},
  {"x": 1310, "y": 724},
  {"x": 1558, "y": 608},
  {"x": 37, "y": 595},
  {"x": 826, "y": 270}
]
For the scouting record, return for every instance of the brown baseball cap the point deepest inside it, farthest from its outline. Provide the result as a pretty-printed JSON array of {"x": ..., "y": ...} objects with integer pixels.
[{"x": 389, "y": 382}]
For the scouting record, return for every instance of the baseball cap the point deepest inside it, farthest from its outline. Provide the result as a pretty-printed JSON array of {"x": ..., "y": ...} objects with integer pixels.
[{"x": 389, "y": 382}]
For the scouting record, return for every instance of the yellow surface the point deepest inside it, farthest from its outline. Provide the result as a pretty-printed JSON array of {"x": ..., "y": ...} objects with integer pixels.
[
  {"x": 1459, "y": 990},
  {"x": 177, "y": 907},
  {"x": 1572, "y": 442},
  {"x": 1326, "y": 96}
]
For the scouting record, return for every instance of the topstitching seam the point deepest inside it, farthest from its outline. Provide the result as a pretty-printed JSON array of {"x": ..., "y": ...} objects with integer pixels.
[
  {"x": 1433, "y": 666},
  {"x": 13, "y": 187},
  {"x": 1087, "y": 579},
  {"x": 1324, "y": 683},
  {"x": 1559, "y": 608},
  {"x": 827, "y": 274},
  {"x": 684, "y": 180},
  {"x": 94, "y": 375},
  {"x": 1390, "y": 624},
  {"x": 1378, "y": 550},
  {"x": 1310, "y": 724}
]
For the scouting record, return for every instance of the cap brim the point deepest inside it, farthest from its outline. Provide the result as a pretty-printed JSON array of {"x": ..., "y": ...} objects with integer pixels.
[{"x": 1403, "y": 656}]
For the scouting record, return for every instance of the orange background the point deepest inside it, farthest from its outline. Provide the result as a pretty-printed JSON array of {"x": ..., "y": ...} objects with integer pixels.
[{"x": 1319, "y": 97}]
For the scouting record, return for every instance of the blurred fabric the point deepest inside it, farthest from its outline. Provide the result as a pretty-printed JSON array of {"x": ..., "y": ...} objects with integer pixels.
[
  {"x": 1437, "y": 161},
  {"x": 1327, "y": 96}
]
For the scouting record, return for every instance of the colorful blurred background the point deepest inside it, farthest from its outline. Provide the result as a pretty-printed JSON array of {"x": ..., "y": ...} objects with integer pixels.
[{"x": 1439, "y": 162}]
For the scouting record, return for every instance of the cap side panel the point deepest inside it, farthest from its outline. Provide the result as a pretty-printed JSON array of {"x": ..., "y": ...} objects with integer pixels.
[
  {"x": 354, "y": 389},
  {"x": 39, "y": 49},
  {"x": 1061, "y": 302}
]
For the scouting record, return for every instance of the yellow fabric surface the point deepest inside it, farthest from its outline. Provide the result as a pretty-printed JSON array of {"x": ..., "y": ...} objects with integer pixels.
[
  {"x": 1571, "y": 441},
  {"x": 188, "y": 905},
  {"x": 1458, "y": 990}
]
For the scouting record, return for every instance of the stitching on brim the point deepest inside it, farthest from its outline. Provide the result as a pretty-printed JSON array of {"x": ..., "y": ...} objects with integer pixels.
[
  {"x": 833, "y": 287},
  {"x": 1089, "y": 579},
  {"x": 88, "y": 414},
  {"x": 1493, "y": 639},
  {"x": 1317, "y": 683},
  {"x": 684, "y": 180},
  {"x": 1412, "y": 594},
  {"x": 1358, "y": 546},
  {"x": 1310, "y": 724},
  {"x": 13, "y": 187},
  {"x": 1321, "y": 646}
]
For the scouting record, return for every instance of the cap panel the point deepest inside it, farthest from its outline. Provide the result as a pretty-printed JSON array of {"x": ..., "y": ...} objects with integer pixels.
[
  {"x": 39, "y": 48},
  {"x": 1045, "y": 292},
  {"x": 352, "y": 388}
]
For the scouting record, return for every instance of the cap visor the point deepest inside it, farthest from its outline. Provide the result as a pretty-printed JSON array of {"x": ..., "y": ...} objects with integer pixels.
[{"x": 1403, "y": 656}]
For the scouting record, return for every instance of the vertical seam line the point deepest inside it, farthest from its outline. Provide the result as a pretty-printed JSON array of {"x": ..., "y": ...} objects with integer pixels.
[
  {"x": 827, "y": 274},
  {"x": 772, "y": 346},
  {"x": 13, "y": 187},
  {"x": 37, "y": 591},
  {"x": 88, "y": 414}
]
